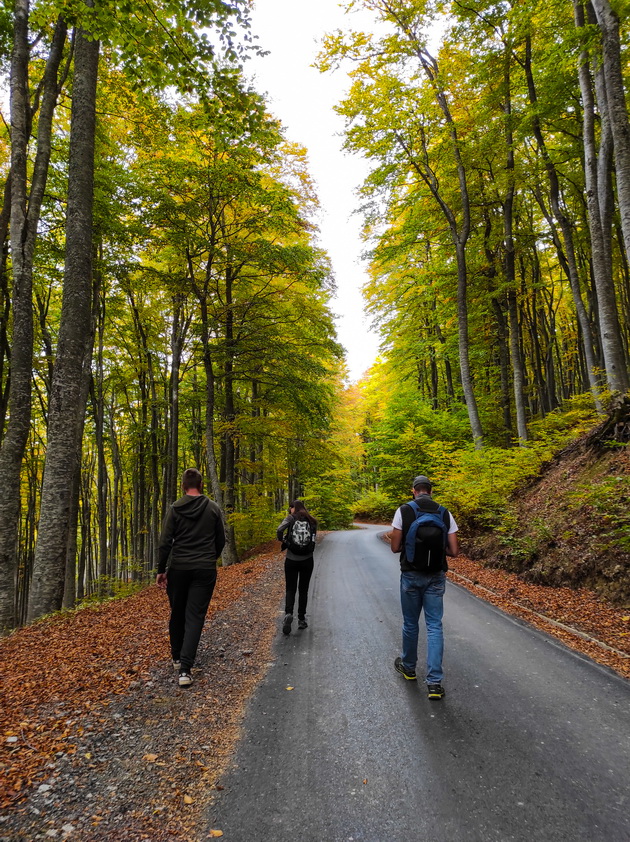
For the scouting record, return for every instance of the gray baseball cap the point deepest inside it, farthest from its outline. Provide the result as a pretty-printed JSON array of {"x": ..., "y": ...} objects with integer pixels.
[{"x": 422, "y": 481}]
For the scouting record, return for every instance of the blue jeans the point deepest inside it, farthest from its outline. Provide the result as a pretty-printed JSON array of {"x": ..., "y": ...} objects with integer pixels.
[{"x": 418, "y": 591}]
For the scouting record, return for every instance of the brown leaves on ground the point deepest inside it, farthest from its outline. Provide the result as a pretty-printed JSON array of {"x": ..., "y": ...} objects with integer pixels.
[
  {"x": 579, "y": 609},
  {"x": 65, "y": 670}
]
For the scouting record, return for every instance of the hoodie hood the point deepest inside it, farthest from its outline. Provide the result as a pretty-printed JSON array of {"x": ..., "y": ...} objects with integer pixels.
[{"x": 191, "y": 506}]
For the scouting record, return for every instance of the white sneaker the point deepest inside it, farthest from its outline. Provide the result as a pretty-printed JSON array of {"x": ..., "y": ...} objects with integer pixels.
[
  {"x": 185, "y": 678},
  {"x": 177, "y": 665}
]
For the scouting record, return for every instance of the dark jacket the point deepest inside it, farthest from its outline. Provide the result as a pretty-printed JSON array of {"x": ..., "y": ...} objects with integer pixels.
[{"x": 192, "y": 535}]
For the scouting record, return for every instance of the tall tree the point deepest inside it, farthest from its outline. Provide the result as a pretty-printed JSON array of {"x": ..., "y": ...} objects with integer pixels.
[
  {"x": 68, "y": 396},
  {"x": 26, "y": 196},
  {"x": 409, "y": 20},
  {"x": 596, "y": 200},
  {"x": 616, "y": 109}
]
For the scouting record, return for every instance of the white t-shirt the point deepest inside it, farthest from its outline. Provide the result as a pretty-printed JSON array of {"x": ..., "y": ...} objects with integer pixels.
[{"x": 397, "y": 522}]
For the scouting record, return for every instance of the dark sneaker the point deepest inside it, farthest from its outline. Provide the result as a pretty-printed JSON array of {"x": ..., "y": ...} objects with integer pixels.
[
  {"x": 286, "y": 625},
  {"x": 435, "y": 691},
  {"x": 410, "y": 675},
  {"x": 302, "y": 624},
  {"x": 185, "y": 678}
]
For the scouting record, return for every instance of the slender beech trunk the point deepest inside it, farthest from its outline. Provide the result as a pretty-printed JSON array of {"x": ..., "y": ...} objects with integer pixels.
[
  {"x": 569, "y": 262},
  {"x": 178, "y": 335},
  {"x": 70, "y": 575},
  {"x": 616, "y": 108},
  {"x": 209, "y": 407},
  {"x": 5, "y": 305},
  {"x": 140, "y": 489},
  {"x": 25, "y": 211},
  {"x": 208, "y": 364},
  {"x": 70, "y": 579},
  {"x": 66, "y": 412},
  {"x": 504, "y": 362},
  {"x": 229, "y": 553},
  {"x": 149, "y": 408},
  {"x": 614, "y": 362},
  {"x": 98, "y": 408},
  {"x": 116, "y": 549},
  {"x": 460, "y": 231},
  {"x": 509, "y": 262}
]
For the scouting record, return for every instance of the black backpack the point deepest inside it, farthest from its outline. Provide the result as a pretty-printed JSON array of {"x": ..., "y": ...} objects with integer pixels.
[
  {"x": 300, "y": 537},
  {"x": 426, "y": 536}
]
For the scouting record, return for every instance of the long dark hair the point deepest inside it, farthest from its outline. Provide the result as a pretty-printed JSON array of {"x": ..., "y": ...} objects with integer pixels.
[{"x": 300, "y": 512}]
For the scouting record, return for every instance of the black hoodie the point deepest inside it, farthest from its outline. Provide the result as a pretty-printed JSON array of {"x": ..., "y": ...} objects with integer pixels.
[{"x": 192, "y": 535}]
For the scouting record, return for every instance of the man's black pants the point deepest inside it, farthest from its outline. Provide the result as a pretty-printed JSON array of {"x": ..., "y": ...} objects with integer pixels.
[
  {"x": 189, "y": 593},
  {"x": 297, "y": 575}
]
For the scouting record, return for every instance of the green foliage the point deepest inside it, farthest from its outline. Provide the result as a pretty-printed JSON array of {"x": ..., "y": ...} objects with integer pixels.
[
  {"x": 256, "y": 522},
  {"x": 329, "y": 490},
  {"x": 573, "y": 419},
  {"x": 479, "y": 483},
  {"x": 375, "y": 506},
  {"x": 410, "y": 439},
  {"x": 331, "y": 504},
  {"x": 609, "y": 500}
]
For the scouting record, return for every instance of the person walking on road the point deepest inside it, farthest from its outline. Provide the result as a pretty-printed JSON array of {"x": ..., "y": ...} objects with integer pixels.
[
  {"x": 193, "y": 538},
  {"x": 424, "y": 533},
  {"x": 297, "y": 533}
]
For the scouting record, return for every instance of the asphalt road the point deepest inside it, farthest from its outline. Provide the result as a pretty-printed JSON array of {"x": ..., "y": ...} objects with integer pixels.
[{"x": 531, "y": 742}]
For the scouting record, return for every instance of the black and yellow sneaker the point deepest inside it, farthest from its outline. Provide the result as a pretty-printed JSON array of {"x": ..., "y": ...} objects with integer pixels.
[
  {"x": 410, "y": 675},
  {"x": 435, "y": 691}
]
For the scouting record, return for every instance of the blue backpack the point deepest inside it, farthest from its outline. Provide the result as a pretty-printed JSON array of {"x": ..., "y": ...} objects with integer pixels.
[{"x": 425, "y": 542}]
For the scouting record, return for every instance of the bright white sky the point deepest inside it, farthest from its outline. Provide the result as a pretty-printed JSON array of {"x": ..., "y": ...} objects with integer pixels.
[{"x": 303, "y": 99}]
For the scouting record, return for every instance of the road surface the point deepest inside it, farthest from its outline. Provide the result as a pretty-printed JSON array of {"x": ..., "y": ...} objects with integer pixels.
[{"x": 530, "y": 744}]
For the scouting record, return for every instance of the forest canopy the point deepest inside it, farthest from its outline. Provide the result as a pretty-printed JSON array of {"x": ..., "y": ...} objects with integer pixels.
[{"x": 165, "y": 301}]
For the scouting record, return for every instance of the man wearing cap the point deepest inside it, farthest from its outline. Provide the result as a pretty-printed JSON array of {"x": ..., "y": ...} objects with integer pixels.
[{"x": 423, "y": 588}]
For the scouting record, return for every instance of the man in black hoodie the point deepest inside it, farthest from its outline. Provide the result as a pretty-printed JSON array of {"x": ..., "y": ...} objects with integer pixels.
[{"x": 193, "y": 536}]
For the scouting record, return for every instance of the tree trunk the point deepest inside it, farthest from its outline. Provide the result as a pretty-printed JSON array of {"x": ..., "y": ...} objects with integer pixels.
[
  {"x": 509, "y": 262},
  {"x": 616, "y": 109},
  {"x": 504, "y": 362},
  {"x": 460, "y": 232},
  {"x": 66, "y": 412},
  {"x": 25, "y": 211},
  {"x": 464, "y": 349},
  {"x": 215, "y": 485},
  {"x": 5, "y": 306},
  {"x": 178, "y": 336},
  {"x": 229, "y": 553},
  {"x": 70, "y": 581},
  {"x": 569, "y": 263},
  {"x": 614, "y": 362}
]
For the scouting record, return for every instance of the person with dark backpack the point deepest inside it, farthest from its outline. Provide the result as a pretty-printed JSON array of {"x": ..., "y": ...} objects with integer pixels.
[
  {"x": 297, "y": 533},
  {"x": 424, "y": 533}
]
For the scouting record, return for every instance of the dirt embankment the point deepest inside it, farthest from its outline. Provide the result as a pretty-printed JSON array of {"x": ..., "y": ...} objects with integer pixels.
[{"x": 571, "y": 526}]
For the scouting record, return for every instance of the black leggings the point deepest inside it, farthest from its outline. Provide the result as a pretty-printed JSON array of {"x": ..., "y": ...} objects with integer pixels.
[{"x": 297, "y": 575}]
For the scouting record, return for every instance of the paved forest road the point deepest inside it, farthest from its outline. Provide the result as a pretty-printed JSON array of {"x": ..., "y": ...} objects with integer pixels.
[{"x": 531, "y": 742}]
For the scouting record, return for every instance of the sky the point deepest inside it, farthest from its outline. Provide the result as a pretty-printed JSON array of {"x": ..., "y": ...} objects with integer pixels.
[{"x": 303, "y": 99}]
